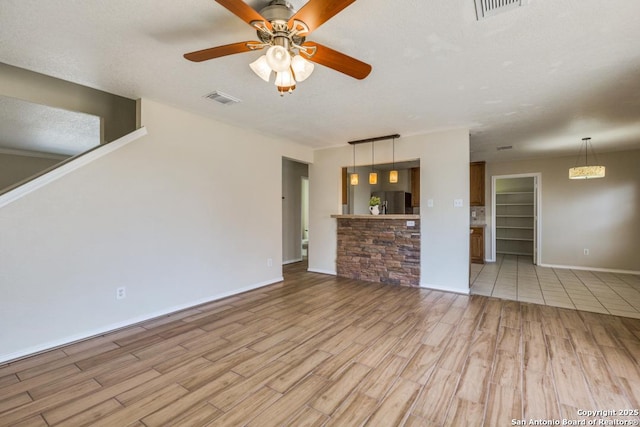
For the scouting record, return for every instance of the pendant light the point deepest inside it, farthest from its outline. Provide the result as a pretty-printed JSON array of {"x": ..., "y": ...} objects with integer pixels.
[
  {"x": 354, "y": 175},
  {"x": 393, "y": 173},
  {"x": 373, "y": 176},
  {"x": 587, "y": 171}
]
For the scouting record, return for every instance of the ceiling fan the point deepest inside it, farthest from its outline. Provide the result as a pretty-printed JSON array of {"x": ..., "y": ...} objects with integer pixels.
[{"x": 283, "y": 32}]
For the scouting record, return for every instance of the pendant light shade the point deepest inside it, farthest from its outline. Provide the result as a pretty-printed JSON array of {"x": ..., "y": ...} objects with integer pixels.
[
  {"x": 587, "y": 171},
  {"x": 373, "y": 176},
  {"x": 354, "y": 175},
  {"x": 393, "y": 173}
]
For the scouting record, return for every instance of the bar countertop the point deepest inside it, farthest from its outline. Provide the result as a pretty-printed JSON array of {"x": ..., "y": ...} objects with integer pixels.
[{"x": 392, "y": 216}]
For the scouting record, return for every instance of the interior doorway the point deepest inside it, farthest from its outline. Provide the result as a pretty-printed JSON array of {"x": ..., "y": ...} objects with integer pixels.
[
  {"x": 304, "y": 199},
  {"x": 516, "y": 216},
  {"x": 295, "y": 211}
]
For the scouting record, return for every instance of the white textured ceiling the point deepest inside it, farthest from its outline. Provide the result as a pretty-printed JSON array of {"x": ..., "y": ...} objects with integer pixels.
[{"x": 539, "y": 78}]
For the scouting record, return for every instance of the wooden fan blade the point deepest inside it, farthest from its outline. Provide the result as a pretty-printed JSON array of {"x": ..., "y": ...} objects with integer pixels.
[
  {"x": 217, "y": 52},
  {"x": 317, "y": 12},
  {"x": 336, "y": 60},
  {"x": 243, "y": 11}
]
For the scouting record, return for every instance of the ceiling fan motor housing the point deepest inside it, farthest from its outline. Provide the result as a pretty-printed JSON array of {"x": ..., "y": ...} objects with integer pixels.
[
  {"x": 278, "y": 13},
  {"x": 278, "y": 10}
]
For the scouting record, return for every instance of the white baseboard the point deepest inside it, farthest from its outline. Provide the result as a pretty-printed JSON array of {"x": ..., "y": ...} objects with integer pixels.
[
  {"x": 603, "y": 270},
  {"x": 30, "y": 351},
  {"x": 444, "y": 289},
  {"x": 317, "y": 270},
  {"x": 291, "y": 261}
]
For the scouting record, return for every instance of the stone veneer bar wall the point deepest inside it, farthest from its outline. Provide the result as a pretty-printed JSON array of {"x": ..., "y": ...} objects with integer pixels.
[{"x": 379, "y": 250}]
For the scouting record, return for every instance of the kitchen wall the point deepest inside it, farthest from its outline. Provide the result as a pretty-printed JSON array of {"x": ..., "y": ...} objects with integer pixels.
[
  {"x": 602, "y": 215},
  {"x": 174, "y": 217},
  {"x": 444, "y": 167}
]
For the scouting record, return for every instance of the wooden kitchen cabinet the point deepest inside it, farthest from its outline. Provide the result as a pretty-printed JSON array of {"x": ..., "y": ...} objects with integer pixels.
[
  {"x": 476, "y": 184},
  {"x": 415, "y": 187},
  {"x": 477, "y": 245}
]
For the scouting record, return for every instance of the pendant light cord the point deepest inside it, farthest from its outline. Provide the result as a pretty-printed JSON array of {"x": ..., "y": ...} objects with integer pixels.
[
  {"x": 354, "y": 159},
  {"x": 373, "y": 147},
  {"x": 393, "y": 152}
]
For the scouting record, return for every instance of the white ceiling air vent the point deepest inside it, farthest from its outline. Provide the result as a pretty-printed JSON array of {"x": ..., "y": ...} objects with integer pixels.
[
  {"x": 487, "y": 8},
  {"x": 222, "y": 98},
  {"x": 504, "y": 147}
]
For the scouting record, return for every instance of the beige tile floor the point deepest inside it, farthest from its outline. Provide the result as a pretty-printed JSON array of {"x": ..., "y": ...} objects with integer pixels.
[{"x": 516, "y": 278}]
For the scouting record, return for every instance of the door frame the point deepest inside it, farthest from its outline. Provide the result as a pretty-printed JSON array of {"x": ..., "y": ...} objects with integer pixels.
[{"x": 537, "y": 229}]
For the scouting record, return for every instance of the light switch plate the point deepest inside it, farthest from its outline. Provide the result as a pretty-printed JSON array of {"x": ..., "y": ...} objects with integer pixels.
[
  {"x": 430, "y": 203},
  {"x": 457, "y": 203}
]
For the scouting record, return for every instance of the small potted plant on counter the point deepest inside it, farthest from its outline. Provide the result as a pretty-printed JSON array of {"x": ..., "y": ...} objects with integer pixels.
[{"x": 374, "y": 205}]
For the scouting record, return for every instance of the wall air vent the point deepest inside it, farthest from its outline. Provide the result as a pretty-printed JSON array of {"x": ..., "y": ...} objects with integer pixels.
[
  {"x": 222, "y": 98},
  {"x": 487, "y": 8},
  {"x": 504, "y": 147}
]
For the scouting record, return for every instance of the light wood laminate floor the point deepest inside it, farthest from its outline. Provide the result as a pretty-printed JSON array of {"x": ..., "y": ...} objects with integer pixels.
[
  {"x": 516, "y": 278},
  {"x": 319, "y": 350}
]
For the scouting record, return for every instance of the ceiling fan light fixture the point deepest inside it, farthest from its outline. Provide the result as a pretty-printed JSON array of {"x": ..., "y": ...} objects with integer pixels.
[
  {"x": 302, "y": 68},
  {"x": 283, "y": 32},
  {"x": 278, "y": 58},
  {"x": 261, "y": 68}
]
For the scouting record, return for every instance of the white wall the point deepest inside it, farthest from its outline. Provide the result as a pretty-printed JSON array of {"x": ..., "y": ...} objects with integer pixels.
[
  {"x": 444, "y": 167},
  {"x": 292, "y": 173},
  {"x": 173, "y": 217},
  {"x": 602, "y": 215}
]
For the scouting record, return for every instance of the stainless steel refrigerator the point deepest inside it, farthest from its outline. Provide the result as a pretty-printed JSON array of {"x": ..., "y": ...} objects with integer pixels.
[{"x": 397, "y": 202}]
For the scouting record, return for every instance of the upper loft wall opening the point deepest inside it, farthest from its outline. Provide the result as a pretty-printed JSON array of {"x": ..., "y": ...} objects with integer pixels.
[{"x": 116, "y": 116}]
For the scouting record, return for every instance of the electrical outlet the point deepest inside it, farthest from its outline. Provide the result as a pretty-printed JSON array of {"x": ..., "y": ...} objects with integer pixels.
[
  {"x": 586, "y": 251},
  {"x": 269, "y": 262},
  {"x": 121, "y": 293}
]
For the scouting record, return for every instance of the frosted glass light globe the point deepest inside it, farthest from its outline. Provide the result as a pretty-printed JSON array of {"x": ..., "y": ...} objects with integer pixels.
[{"x": 278, "y": 58}]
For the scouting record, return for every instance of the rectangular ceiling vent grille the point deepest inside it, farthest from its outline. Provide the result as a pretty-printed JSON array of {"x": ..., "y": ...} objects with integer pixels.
[
  {"x": 487, "y": 8},
  {"x": 222, "y": 98},
  {"x": 504, "y": 147}
]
